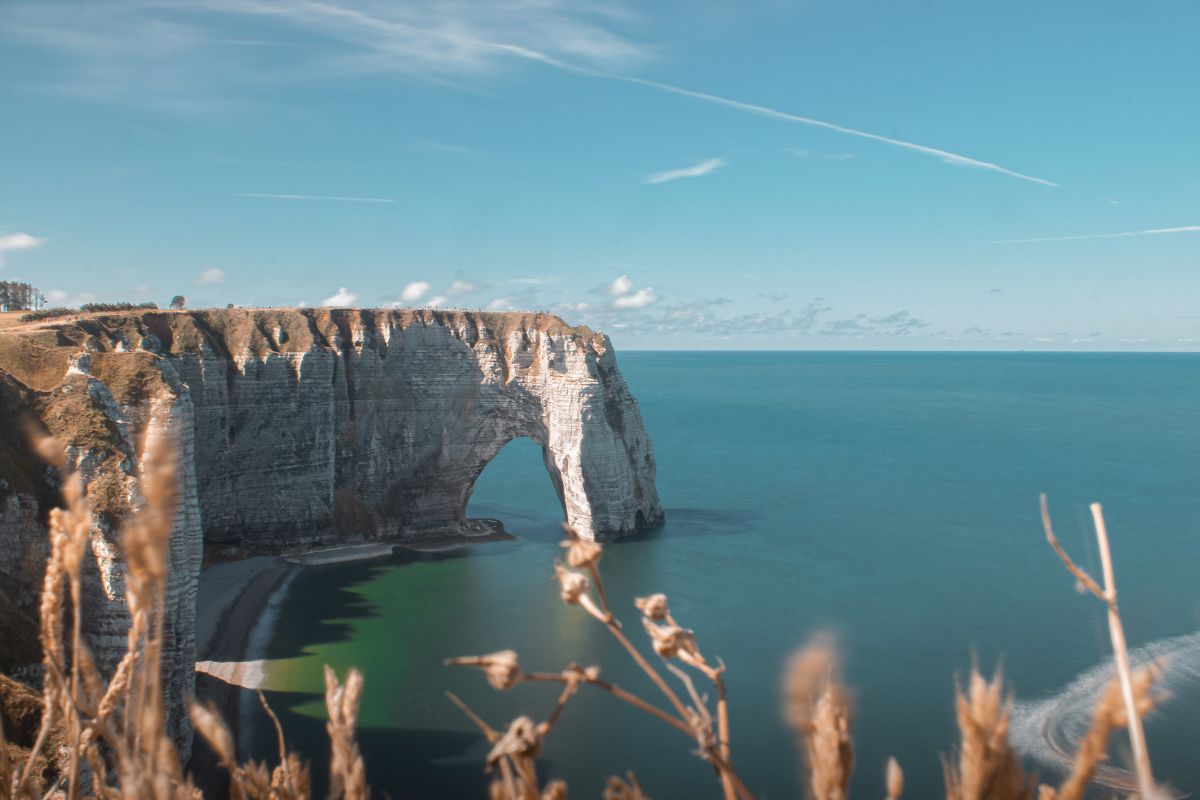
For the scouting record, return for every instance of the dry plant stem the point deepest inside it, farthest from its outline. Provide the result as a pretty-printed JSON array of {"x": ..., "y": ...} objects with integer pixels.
[
  {"x": 727, "y": 774},
  {"x": 620, "y": 694},
  {"x": 599, "y": 588},
  {"x": 569, "y": 688},
  {"x": 641, "y": 661},
  {"x": 1137, "y": 737},
  {"x": 283, "y": 755},
  {"x": 492, "y": 735},
  {"x": 732, "y": 785}
]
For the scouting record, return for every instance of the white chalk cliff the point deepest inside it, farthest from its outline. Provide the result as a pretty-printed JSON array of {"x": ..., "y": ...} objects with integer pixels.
[{"x": 304, "y": 429}]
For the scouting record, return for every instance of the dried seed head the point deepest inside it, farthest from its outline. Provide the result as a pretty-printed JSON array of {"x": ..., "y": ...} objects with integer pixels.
[
  {"x": 521, "y": 740},
  {"x": 808, "y": 672},
  {"x": 653, "y": 607},
  {"x": 671, "y": 640},
  {"x": 582, "y": 553},
  {"x": 503, "y": 669},
  {"x": 208, "y": 722},
  {"x": 555, "y": 790},
  {"x": 574, "y": 672},
  {"x": 618, "y": 788},
  {"x": 895, "y": 779},
  {"x": 574, "y": 585},
  {"x": 985, "y": 758}
]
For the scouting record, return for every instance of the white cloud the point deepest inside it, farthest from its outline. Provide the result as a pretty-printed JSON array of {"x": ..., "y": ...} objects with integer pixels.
[
  {"x": 18, "y": 241},
  {"x": 342, "y": 299},
  {"x": 623, "y": 284},
  {"x": 534, "y": 280},
  {"x": 437, "y": 301},
  {"x": 210, "y": 277},
  {"x": 639, "y": 299},
  {"x": 462, "y": 287},
  {"x": 694, "y": 171},
  {"x": 58, "y": 297},
  {"x": 414, "y": 291},
  {"x": 500, "y": 304},
  {"x": 193, "y": 54}
]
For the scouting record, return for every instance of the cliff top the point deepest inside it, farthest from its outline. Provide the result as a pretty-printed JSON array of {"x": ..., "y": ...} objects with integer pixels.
[{"x": 38, "y": 353}]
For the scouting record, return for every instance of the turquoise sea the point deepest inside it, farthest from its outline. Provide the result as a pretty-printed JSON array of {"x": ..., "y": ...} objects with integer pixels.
[{"x": 888, "y": 498}]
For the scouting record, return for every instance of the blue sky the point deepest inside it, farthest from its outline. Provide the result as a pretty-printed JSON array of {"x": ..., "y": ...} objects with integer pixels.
[{"x": 700, "y": 174}]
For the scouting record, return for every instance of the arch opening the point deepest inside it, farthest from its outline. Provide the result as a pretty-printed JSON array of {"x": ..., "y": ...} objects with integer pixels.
[{"x": 516, "y": 489}]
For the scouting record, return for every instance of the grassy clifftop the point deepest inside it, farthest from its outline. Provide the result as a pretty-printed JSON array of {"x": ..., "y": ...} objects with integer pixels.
[{"x": 38, "y": 353}]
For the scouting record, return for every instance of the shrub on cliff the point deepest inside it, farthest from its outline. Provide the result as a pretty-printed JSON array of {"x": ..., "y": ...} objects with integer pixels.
[
  {"x": 47, "y": 313},
  {"x": 124, "y": 306}
]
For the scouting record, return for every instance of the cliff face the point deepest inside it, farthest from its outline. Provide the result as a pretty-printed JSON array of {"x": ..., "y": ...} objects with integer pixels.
[{"x": 303, "y": 429}]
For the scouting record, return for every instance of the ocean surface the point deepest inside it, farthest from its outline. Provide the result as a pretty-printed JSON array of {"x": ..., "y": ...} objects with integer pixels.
[{"x": 888, "y": 498}]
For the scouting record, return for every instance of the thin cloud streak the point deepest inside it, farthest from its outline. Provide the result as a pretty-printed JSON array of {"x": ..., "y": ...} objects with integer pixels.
[
  {"x": 322, "y": 197},
  {"x": 1122, "y": 235},
  {"x": 694, "y": 171},
  {"x": 944, "y": 155}
]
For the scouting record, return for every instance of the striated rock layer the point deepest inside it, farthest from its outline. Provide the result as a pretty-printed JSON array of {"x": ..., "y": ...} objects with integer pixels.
[{"x": 300, "y": 429}]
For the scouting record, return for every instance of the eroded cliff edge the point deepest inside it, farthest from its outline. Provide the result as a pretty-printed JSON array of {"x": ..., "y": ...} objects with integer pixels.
[{"x": 300, "y": 429}]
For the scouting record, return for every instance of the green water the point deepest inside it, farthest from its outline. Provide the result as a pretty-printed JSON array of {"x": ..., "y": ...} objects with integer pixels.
[{"x": 888, "y": 498}]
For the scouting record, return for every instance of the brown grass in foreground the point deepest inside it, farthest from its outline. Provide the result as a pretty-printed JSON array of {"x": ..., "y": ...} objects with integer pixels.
[
  {"x": 101, "y": 737},
  {"x": 983, "y": 766},
  {"x": 107, "y": 738}
]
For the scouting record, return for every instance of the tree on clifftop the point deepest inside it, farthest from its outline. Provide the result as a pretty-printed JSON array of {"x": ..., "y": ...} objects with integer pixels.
[
  {"x": 178, "y": 302},
  {"x": 20, "y": 297}
]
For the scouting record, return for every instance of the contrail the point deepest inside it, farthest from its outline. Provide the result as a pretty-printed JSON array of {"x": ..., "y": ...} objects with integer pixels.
[
  {"x": 325, "y": 197},
  {"x": 1122, "y": 235},
  {"x": 944, "y": 155}
]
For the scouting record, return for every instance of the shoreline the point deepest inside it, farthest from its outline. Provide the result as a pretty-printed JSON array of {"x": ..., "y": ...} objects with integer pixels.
[
  {"x": 237, "y": 610},
  {"x": 230, "y": 606}
]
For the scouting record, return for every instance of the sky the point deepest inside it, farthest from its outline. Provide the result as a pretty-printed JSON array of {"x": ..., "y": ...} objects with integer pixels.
[{"x": 834, "y": 174}]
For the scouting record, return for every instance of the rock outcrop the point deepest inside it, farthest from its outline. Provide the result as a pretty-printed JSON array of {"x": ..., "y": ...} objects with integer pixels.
[{"x": 304, "y": 429}]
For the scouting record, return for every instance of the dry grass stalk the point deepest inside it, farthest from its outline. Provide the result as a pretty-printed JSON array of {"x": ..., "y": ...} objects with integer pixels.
[
  {"x": 894, "y": 780},
  {"x": 577, "y": 580},
  {"x": 818, "y": 712},
  {"x": 348, "y": 775},
  {"x": 986, "y": 768},
  {"x": 1109, "y": 716},
  {"x": 117, "y": 727},
  {"x": 1147, "y": 788},
  {"x": 627, "y": 788}
]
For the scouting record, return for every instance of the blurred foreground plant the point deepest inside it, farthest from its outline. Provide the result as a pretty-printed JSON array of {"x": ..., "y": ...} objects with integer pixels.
[
  {"x": 815, "y": 702},
  {"x": 107, "y": 738}
]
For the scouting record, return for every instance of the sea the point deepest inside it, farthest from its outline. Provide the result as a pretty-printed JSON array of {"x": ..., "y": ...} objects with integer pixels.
[{"x": 888, "y": 500}]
